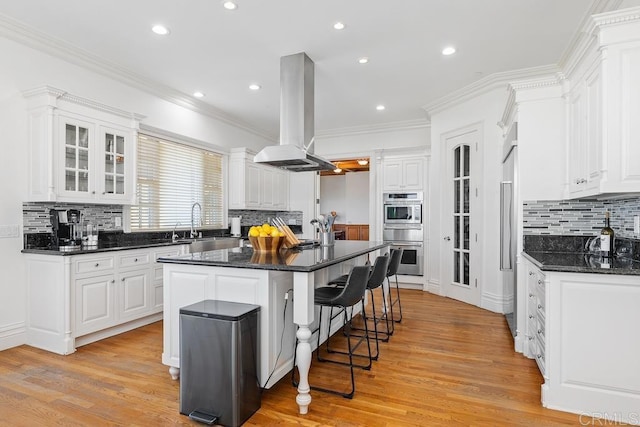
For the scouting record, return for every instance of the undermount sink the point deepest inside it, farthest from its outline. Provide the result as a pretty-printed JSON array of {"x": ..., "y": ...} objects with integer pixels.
[{"x": 210, "y": 243}]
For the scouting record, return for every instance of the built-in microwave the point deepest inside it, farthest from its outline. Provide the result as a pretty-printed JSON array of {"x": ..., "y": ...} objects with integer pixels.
[{"x": 402, "y": 208}]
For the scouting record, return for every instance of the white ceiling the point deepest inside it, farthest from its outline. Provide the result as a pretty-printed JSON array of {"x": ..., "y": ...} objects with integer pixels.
[{"x": 221, "y": 52}]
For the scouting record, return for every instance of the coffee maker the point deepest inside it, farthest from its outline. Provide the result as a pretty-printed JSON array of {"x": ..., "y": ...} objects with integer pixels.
[{"x": 66, "y": 225}]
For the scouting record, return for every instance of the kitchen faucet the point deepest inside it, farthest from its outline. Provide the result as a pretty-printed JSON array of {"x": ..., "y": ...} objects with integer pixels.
[
  {"x": 194, "y": 232},
  {"x": 174, "y": 236}
]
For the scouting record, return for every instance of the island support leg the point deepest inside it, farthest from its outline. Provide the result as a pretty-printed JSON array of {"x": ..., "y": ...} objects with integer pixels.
[{"x": 303, "y": 290}]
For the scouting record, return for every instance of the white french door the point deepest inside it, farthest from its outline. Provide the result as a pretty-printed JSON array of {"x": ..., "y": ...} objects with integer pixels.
[{"x": 459, "y": 244}]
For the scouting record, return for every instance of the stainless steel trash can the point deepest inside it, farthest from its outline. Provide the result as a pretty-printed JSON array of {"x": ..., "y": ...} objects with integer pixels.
[{"x": 219, "y": 362}]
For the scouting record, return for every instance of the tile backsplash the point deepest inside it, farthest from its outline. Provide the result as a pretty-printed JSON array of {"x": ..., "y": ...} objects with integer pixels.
[
  {"x": 36, "y": 215},
  {"x": 579, "y": 217},
  {"x": 251, "y": 217}
]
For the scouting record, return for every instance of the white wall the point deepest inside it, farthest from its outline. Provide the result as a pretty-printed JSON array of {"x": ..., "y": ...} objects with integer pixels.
[
  {"x": 348, "y": 195},
  {"x": 24, "y": 68},
  {"x": 485, "y": 111}
]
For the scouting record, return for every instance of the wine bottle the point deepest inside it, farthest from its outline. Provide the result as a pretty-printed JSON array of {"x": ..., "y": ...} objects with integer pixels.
[{"x": 607, "y": 239}]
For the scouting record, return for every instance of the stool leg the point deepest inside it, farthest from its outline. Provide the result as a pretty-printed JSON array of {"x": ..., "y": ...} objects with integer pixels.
[{"x": 398, "y": 320}]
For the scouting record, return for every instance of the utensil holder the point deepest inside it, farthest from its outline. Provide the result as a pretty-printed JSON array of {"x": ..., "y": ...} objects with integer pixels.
[{"x": 327, "y": 238}]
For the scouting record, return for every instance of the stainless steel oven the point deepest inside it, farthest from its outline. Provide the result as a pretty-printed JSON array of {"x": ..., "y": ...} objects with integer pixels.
[
  {"x": 410, "y": 238},
  {"x": 402, "y": 208}
]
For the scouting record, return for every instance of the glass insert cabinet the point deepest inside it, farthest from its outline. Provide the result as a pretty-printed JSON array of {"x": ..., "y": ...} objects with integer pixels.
[{"x": 96, "y": 161}]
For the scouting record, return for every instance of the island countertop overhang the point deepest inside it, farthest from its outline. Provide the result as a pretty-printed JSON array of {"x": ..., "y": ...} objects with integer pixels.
[{"x": 294, "y": 260}]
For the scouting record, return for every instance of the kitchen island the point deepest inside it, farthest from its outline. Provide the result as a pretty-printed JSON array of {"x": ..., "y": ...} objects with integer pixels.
[{"x": 270, "y": 280}]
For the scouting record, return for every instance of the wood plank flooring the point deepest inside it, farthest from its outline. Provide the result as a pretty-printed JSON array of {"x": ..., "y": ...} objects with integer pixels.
[{"x": 448, "y": 363}]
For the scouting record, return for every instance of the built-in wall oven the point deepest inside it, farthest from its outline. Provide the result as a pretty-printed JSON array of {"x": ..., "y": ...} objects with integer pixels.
[{"x": 403, "y": 228}]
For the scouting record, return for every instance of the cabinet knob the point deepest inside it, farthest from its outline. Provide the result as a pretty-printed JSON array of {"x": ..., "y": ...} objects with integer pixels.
[
  {"x": 135, "y": 260},
  {"x": 539, "y": 356},
  {"x": 539, "y": 306},
  {"x": 539, "y": 331},
  {"x": 122, "y": 280},
  {"x": 97, "y": 264},
  {"x": 530, "y": 338},
  {"x": 531, "y": 273},
  {"x": 531, "y": 316},
  {"x": 539, "y": 282},
  {"x": 447, "y": 238},
  {"x": 531, "y": 295},
  {"x": 93, "y": 192},
  {"x": 113, "y": 280}
]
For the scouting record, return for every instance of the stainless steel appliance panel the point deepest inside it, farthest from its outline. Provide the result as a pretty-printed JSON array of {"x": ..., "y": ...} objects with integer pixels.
[
  {"x": 409, "y": 234},
  {"x": 412, "y": 262},
  {"x": 402, "y": 208}
]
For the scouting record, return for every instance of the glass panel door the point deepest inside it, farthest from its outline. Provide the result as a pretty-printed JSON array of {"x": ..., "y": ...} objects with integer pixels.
[
  {"x": 114, "y": 166},
  {"x": 461, "y": 214},
  {"x": 76, "y": 162}
]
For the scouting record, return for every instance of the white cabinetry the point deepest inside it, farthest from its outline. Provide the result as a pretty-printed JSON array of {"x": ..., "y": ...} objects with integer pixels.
[
  {"x": 255, "y": 186},
  {"x": 78, "y": 299},
  {"x": 79, "y": 150},
  {"x": 536, "y": 316},
  {"x": 603, "y": 104},
  {"x": 403, "y": 174},
  {"x": 581, "y": 330}
]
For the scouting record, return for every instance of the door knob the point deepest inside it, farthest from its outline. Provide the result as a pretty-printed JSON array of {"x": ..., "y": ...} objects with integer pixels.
[{"x": 447, "y": 238}]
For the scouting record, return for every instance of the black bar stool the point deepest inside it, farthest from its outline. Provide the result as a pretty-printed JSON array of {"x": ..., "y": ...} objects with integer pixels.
[
  {"x": 394, "y": 264},
  {"x": 341, "y": 297},
  {"x": 376, "y": 279}
]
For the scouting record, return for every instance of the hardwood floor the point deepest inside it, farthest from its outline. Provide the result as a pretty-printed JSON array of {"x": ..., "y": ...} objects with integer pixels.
[{"x": 448, "y": 363}]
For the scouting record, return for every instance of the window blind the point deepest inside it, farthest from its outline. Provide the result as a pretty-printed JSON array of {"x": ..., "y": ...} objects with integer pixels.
[{"x": 171, "y": 178}]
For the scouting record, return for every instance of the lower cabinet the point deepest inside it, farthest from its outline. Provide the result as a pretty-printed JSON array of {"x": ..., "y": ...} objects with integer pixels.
[
  {"x": 353, "y": 231},
  {"x": 582, "y": 330},
  {"x": 78, "y": 299}
]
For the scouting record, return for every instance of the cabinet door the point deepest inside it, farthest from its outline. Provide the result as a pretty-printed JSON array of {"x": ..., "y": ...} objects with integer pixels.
[
  {"x": 281, "y": 189},
  {"x": 76, "y": 164},
  {"x": 253, "y": 186},
  {"x": 353, "y": 232},
  {"x": 412, "y": 174},
  {"x": 392, "y": 178},
  {"x": 114, "y": 170},
  {"x": 577, "y": 147},
  {"x": 364, "y": 232},
  {"x": 95, "y": 304},
  {"x": 134, "y": 296},
  {"x": 268, "y": 190}
]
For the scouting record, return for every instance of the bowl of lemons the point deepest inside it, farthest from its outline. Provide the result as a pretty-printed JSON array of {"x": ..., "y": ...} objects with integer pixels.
[{"x": 266, "y": 238}]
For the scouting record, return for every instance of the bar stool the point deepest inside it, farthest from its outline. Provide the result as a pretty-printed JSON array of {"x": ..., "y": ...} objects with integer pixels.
[
  {"x": 341, "y": 297},
  {"x": 394, "y": 264},
  {"x": 376, "y": 279}
]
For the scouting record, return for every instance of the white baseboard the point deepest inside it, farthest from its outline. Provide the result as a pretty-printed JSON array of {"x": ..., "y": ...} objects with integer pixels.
[
  {"x": 433, "y": 286},
  {"x": 13, "y": 335},
  {"x": 494, "y": 302},
  {"x": 126, "y": 327}
]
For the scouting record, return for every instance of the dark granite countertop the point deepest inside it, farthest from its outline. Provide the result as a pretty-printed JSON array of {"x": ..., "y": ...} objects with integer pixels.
[
  {"x": 582, "y": 263},
  {"x": 306, "y": 259},
  {"x": 104, "y": 246}
]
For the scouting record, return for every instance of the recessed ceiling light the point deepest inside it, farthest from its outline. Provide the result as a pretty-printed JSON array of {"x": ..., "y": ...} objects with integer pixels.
[
  {"x": 380, "y": 107},
  {"x": 339, "y": 26},
  {"x": 363, "y": 162},
  {"x": 449, "y": 50},
  {"x": 337, "y": 170},
  {"x": 363, "y": 60},
  {"x": 229, "y": 5},
  {"x": 198, "y": 94},
  {"x": 160, "y": 30},
  {"x": 254, "y": 86}
]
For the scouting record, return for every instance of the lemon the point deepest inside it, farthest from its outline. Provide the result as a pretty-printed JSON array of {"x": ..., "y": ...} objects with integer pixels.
[
  {"x": 275, "y": 232},
  {"x": 263, "y": 234},
  {"x": 253, "y": 232},
  {"x": 266, "y": 225}
]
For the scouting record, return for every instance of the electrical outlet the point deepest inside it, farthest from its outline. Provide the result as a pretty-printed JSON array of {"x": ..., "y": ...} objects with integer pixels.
[
  {"x": 636, "y": 225},
  {"x": 118, "y": 221},
  {"x": 291, "y": 221}
]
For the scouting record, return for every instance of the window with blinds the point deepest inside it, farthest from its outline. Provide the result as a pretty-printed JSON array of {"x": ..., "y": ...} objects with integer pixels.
[{"x": 171, "y": 178}]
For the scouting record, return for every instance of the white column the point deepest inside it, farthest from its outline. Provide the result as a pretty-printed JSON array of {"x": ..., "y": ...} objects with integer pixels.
[{"x": 303, "y": 291}]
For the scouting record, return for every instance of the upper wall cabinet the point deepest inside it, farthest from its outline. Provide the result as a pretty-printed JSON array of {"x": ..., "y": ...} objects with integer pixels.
[
  {"x": 403, "y": 174},
  {"x": 79, "y": 150},
  {"x": 256, "y": 186},
  {"x": 603, "y": 106}
]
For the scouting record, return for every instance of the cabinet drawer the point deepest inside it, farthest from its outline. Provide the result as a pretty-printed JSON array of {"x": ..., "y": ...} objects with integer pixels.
[
  {"x": 174, "y": 250},
  {"x": 132, "y": 260},
  {"x": 94, "y": 264},
  {"x": 540, "y": 356}
]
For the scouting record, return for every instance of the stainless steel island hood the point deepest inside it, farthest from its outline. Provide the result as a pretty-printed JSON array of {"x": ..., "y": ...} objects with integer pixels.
[{"x": 295, "y": 151}]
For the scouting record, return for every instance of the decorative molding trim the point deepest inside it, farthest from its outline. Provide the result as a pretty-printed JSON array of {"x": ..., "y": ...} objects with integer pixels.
[
  {"x": 486, "y": 84},
  {"x": 181, "y": 139},
  {"x": 550, "y": 80},
  {"x": 13, "y": 335},
  {"x": 383, "y": 127},
  {"x": 29, "y": 36},
  {"x": 494, "y": 302},
  {"x": 63, "y": 95},
  {"x": 614, "y": 17}
]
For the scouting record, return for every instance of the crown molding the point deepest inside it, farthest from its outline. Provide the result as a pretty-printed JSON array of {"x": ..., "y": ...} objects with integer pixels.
[
  {"x": 380, "y": 128},
  {"x": 29, "y": 36},
  {"x": 486, "y": 84}
]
